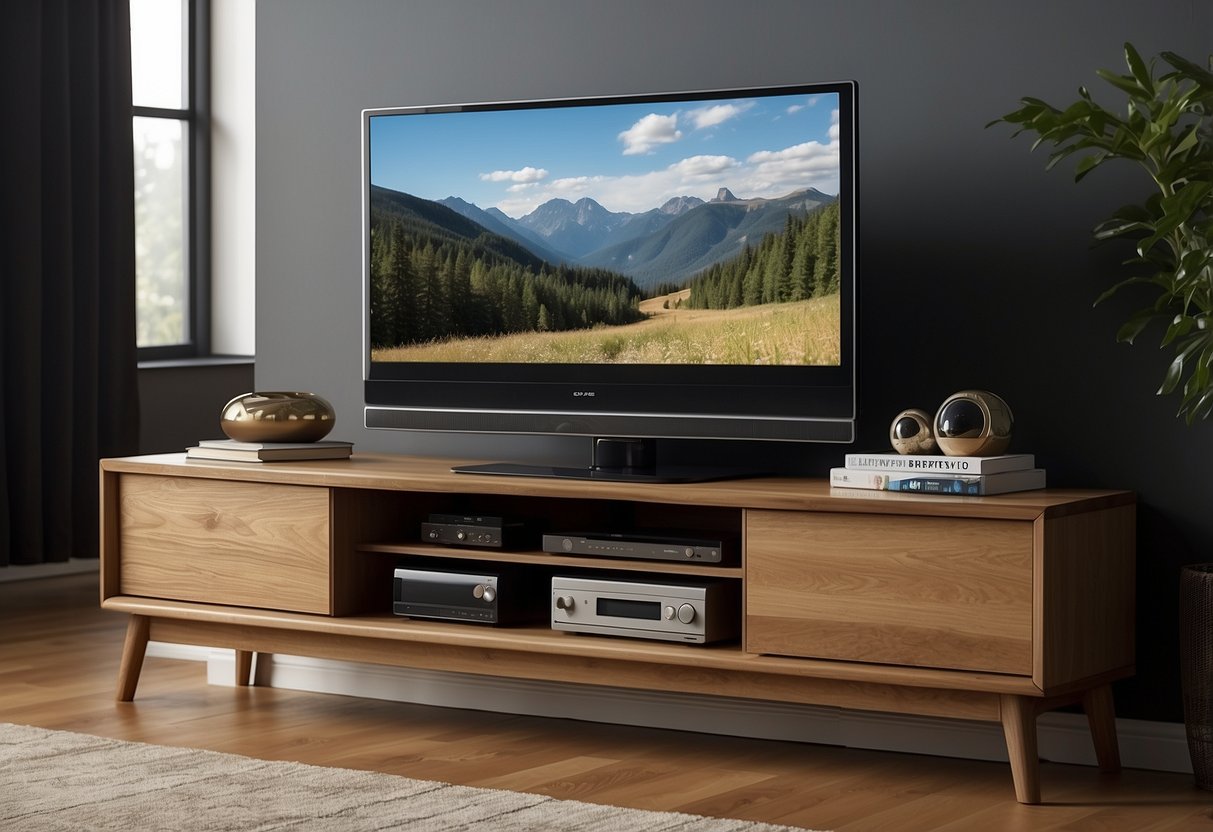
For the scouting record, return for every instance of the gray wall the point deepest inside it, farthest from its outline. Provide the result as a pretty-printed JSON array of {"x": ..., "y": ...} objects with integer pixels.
[{"x": 976, "y": 268}]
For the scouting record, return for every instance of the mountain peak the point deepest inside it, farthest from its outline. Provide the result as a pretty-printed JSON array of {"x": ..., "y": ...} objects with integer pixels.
[
  {"x": 679, "y": 205},
  {"x": 725, "y": 195}
]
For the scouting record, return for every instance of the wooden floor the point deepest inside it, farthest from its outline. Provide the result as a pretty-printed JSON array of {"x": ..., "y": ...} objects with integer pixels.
[{"x": 58, "y": 665}]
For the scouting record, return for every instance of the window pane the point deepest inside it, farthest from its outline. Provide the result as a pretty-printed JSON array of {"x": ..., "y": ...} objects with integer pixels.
[
  {"x": 161, "y": 285},
  {"x": 158, "y": 53}
]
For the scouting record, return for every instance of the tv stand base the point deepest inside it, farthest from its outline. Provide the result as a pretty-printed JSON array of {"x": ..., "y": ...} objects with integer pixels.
[{"x": 974, "y": 608}]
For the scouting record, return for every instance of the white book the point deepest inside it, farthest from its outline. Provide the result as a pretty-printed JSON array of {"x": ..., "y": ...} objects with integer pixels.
[
  {"x": 271, "y": 453},
  {"x": 955, "y": 484},
  {"x": 236, "y": 445},
  {"x": 939, "y": 464}
]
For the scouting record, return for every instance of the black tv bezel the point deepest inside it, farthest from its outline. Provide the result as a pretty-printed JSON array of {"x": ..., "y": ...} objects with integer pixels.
[{"x": 729, "y": 402}]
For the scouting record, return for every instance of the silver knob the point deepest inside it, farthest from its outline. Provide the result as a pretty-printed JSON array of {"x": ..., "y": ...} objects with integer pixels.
[
  {"x": 489, "y": 594},
  {"x": 669, "y": 613},
  {"x": 686, "y": 613},
  {"x": 565, "y": 602},
  {"x": 460, "y": 535},
  {"x": 478, "y": 591},
  {"x": 689, "y": 552}
]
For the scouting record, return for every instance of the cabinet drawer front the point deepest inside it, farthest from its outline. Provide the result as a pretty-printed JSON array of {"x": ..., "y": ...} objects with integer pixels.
[
  {"x": 922, "y": 591},
  {"x": 232, "y": 543}
]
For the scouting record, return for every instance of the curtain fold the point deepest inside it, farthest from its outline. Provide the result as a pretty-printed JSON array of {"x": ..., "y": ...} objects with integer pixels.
[{"x": 68, "y": 383}]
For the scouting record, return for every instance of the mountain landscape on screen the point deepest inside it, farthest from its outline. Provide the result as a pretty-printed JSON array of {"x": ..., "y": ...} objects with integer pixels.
[{"x": 723, "y": 273}]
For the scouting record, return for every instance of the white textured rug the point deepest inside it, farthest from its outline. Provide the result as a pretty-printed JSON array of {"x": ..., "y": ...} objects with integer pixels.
[{"x": 55, "y": 781}]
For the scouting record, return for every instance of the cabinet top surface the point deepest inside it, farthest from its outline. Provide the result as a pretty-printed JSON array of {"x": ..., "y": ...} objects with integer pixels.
[{"x": 401, "y": 473}]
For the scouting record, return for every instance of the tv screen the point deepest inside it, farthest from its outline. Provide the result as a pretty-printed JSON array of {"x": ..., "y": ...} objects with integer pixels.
[{"x": 674, "y": 265}]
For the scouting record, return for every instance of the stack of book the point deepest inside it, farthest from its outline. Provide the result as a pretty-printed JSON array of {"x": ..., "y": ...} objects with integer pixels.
[
  {"x": 923, "y": 474},
  {"x": 230, "y": 450}
]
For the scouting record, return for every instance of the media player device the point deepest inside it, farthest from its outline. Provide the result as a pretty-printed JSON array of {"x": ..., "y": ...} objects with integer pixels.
[
  {"x": 486, "y": 597},
  {"x": 696, "y": 612},
  {"x": 470, "y": 530},
  {"x": 639, "y": 546}
]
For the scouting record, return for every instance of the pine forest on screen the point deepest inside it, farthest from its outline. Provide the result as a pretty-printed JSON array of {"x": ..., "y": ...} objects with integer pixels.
[{"x": 693, "y": 232}]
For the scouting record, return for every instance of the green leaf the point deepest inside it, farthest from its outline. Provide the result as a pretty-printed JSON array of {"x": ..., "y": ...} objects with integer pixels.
[
  {"x": 1139, "y": 69},
  {"x": 1181, "y": 325},
  {"x": 1171, "y": 379},
  {"x": 1125, "y": 83},
  {"x": 1186, "y": 69},
  {"x": 1133, "y": 327}
]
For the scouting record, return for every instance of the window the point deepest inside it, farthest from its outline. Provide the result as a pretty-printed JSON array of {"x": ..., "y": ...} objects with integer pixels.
[{"x": 170, "y": 123}]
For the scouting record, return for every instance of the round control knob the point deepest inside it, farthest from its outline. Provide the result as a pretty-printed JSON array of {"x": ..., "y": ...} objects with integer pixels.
[
  {"x": 689, "y": 552},
  {"x": 686, "y": 613},
  {"x": 565, "y": 602},
  {"x": 567, "y": 545},
  {"x": 433, "y": 535},
  {"x": 669, "y": 613},
  {"x": 478, "y": 591},
  {"x": 461, "y": 535},
  {"x": 489, "y": 595}
]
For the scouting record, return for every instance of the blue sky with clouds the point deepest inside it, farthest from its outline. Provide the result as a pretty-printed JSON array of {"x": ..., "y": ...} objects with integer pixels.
[{"x": 628, "y": 157}]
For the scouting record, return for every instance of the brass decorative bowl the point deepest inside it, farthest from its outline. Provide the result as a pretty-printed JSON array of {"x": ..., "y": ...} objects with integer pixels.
[{"x": 277, "y": 417}]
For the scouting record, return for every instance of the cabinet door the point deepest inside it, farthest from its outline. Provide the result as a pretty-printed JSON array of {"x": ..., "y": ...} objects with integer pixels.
[
  {"x": 234, "y": 543},
  {"x": 941, "y": 592}
]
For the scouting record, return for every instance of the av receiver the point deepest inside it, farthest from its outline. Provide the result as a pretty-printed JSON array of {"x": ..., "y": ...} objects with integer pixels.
[
  {"x": 697, "y": 612},
  {"x": 497, "y": 596}
]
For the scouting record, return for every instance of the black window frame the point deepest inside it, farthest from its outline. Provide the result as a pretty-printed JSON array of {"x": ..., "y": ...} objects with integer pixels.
[{"x": 196, "y": 117}]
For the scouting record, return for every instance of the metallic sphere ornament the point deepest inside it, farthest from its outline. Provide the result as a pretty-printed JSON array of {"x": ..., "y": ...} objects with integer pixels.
[
  {"x": 911, "y": 432},
  {"x": 973, "y": 423},
  {"x": 277, "y": 417}
]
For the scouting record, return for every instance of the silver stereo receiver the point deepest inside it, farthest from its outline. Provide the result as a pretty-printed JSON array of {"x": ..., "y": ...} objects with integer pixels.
[{"x": 695, "y": 612}]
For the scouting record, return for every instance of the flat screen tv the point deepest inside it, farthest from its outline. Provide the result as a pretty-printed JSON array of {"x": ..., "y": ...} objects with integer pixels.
[{"x": 631, "y": 268}]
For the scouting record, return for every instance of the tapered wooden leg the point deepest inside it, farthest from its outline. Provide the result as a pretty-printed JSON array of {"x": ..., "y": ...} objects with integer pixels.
[
  {"x": 1101, "y": 716},
  {"x": 1019, "y": 727},
  {"x": 244, "y": 667},
  {"x": 133, "y": 650}
]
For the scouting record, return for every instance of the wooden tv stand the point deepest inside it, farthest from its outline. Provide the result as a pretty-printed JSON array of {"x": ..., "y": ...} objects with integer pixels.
[{"x": 979, "y": 608}]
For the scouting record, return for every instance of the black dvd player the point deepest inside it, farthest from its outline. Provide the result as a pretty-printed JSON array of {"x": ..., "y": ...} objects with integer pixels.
[{"x": 639, "y": 545}]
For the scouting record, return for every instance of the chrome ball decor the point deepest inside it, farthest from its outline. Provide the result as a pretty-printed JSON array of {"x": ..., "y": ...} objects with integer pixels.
[{"x": 973, "y": 423}]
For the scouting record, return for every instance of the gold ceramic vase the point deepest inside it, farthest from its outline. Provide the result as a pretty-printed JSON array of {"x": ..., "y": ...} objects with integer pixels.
[{"x": 277, "y": 417}]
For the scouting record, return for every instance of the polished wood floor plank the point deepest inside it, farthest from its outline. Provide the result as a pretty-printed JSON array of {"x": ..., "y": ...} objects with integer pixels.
[{"x": 59, "y": 658}]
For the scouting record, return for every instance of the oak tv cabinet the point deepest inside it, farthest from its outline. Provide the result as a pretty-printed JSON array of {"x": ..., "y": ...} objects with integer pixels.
[{"x": 979, "y": 608}]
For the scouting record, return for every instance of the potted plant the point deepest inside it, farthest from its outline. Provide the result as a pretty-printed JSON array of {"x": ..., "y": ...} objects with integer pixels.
[{"x": 1165, "y": 129}]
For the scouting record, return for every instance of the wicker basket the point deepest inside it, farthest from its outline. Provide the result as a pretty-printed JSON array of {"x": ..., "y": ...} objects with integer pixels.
[{"x": 1196, "y": 666}]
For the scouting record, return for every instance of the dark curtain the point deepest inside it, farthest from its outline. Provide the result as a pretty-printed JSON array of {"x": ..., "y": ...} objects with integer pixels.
[{"x": 68, "y": 385}]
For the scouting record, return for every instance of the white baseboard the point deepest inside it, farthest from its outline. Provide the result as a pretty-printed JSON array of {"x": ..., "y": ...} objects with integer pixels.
[{"x": 1062, "y": 737}]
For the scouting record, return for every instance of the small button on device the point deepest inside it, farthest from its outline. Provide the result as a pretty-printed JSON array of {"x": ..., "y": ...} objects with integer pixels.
[
  {"x": 668, "y": 613},
  {"x": 689, "y": 552},
  {"x": 478, "y": 591},
  {"x": 686, "y": 613},
  {"x": 461, "y": 535}
]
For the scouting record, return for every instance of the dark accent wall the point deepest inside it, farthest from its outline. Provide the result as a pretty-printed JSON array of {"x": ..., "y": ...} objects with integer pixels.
[
  {"x": 180, "y": 402},
  {"x": 976, "y": 266}
]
